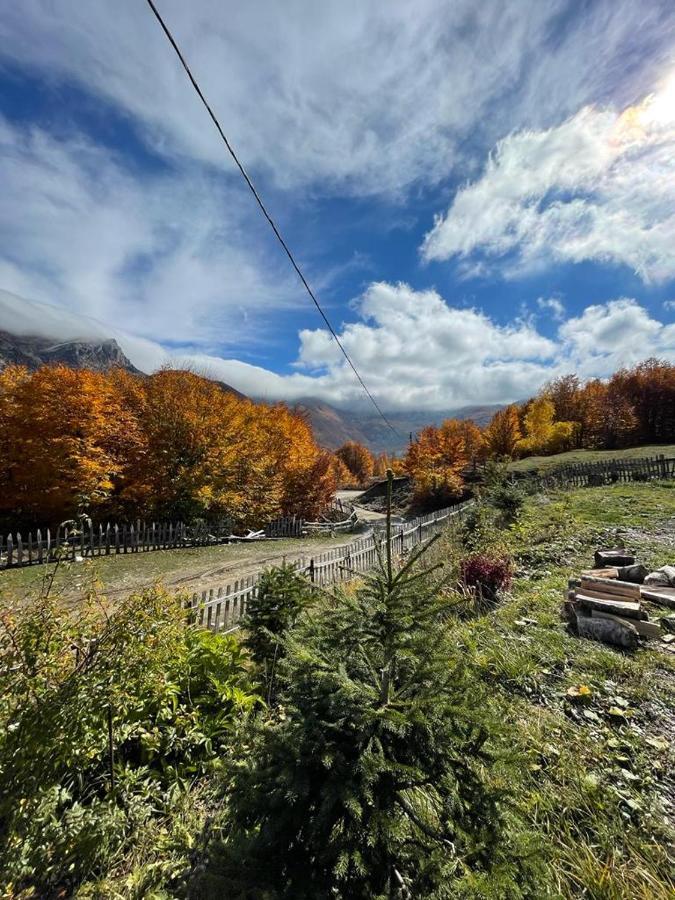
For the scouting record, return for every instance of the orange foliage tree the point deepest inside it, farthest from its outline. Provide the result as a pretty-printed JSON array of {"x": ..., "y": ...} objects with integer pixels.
[
  {"x": 358, "y": 459},
  {"x": 68, "y": 443},
  {"x": 649, "y": 389},
  {"x": 173, "y": 445},
  {"x": 605, "y": 421},
  {"x": 384, "y": 461},
  {"x": 435, "y": 460},
  {"x": 503, "y": 433}
]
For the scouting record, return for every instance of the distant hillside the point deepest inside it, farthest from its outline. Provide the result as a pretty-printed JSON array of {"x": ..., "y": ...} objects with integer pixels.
[
  {"x": 80, "y": 354},
  {"x": 333, "y": 426}
]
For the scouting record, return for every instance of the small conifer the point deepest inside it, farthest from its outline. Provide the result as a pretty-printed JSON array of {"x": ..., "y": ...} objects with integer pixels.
[{"x": 370, "y": 781}]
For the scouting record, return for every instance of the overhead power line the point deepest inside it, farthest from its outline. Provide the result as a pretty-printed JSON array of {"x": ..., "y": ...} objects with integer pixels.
[{"x": 269, "y": 218}]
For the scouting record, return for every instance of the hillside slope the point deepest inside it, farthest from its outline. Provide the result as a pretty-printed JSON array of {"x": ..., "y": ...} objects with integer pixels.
[{"x": 333, "y": 426}]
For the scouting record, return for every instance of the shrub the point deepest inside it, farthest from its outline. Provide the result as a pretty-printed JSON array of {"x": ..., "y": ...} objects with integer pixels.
[
  {"x": 487, "y": 576},
  {"x": 171, "y": 694},
  {"x": 508, "y": 499},
  {"x": 283, "y": 592}
]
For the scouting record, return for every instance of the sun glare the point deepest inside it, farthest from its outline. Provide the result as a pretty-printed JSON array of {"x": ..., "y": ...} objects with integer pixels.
[{"x": 659, "y": 109}]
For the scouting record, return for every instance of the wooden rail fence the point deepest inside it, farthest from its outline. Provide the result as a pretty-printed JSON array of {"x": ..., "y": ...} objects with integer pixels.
[
  {"x": 71, "y": 540},
  {"x": 594, "y": 474},
  {"x": 220, "y": 609}
]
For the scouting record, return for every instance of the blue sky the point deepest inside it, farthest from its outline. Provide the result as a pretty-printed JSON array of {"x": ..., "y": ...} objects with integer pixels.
[{"x": 483, "y": 195}]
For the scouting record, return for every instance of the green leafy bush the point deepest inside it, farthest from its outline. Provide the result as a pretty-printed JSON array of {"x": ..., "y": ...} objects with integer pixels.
[{"x": 171, "y": 695}]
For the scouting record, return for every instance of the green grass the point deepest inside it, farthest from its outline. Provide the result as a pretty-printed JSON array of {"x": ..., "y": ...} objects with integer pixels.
[
  {"x": 543, "y": 463},
  {"x": 593, "y": 777}
]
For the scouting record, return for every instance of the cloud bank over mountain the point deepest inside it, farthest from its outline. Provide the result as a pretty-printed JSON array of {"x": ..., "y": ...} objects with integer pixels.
[{"x": 415, "y": 350}]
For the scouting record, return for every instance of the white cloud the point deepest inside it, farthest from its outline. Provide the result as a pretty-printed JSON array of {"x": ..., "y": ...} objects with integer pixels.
[
  {"x": 598, "y": 187},
  {"x": 606, "y": 337},
  {"x": 669, "y": 305},
  {"x": 414, "y": 350},
  {"x": 552, "y": 305},
  {"x": 173, "y": 257},
  {"x": 359, "y": 96}
]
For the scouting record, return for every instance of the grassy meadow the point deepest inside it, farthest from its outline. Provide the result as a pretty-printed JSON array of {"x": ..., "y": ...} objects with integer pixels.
[{"x": 572, "y": 457}]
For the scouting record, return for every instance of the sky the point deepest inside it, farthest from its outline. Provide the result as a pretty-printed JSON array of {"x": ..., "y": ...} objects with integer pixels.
[{"x": 481, "y": 195}]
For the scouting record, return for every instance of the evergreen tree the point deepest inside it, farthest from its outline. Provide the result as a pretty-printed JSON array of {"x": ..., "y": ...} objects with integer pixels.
[
  {"x": 370, "y": 779},
  {"x": 283, "y": 592}
]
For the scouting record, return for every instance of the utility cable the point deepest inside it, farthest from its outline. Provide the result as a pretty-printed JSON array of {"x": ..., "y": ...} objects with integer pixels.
[{"x": 260, "y": 203}]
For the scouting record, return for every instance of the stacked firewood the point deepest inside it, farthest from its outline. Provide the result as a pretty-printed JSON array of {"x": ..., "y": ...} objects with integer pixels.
[{"x": 607, "y": 603}]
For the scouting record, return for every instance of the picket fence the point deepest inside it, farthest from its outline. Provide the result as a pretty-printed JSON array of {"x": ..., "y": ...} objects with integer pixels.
[
  {"x": 89, "y": 540},
  {"x": 220, "y": 609},
  {"x": 595, "y": 474}
]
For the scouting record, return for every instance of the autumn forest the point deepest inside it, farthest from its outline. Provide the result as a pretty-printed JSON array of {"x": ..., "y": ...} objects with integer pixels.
[{"x": 175, "y": 445}]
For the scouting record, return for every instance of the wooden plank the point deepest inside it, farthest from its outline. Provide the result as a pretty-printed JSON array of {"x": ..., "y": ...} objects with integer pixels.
[
  {"x": 605, "y": 595},
  {"x": 662, "y": 596},
  {"x": 646, "y": 629},
  {"x": 613, "y": 585},
  {"x": 600, "y": 573},
  {"x": 628, "y": 609}
]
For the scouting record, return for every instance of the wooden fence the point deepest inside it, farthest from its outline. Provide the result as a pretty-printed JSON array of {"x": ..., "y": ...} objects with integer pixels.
[
  {"x": 88, "y": 540},
  {"x": 594, "y": 474},
  {"x": 220, "y": 609}
]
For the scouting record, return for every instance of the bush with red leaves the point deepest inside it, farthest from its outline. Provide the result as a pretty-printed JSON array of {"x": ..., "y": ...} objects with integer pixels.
[{"x": 487, "y": 575}]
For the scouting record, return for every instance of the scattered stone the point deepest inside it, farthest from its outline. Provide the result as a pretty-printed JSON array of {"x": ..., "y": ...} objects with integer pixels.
[{"x": 668, "y": 623}]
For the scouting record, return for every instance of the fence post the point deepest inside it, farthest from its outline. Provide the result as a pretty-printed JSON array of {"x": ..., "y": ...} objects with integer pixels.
[{"x": 311, "y": 570}]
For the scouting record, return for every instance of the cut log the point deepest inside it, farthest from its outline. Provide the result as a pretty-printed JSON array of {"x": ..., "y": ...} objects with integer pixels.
[
  {"x": 610, "y": 572},
  {"x": 628, "y": 609},
  {"x": 569, "y": 612},
  {"x": 612, "y": 586},
  {"x": 662, "y": 596},
  {"x": 634, "y": 574},
  {"x": 664, "y": 576},
  {"x": 604, "y": 595},
  {"x": 607, "y": 631},
  {"x": 605, "y": 558},
  {"x": 646, "y": 629}
]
